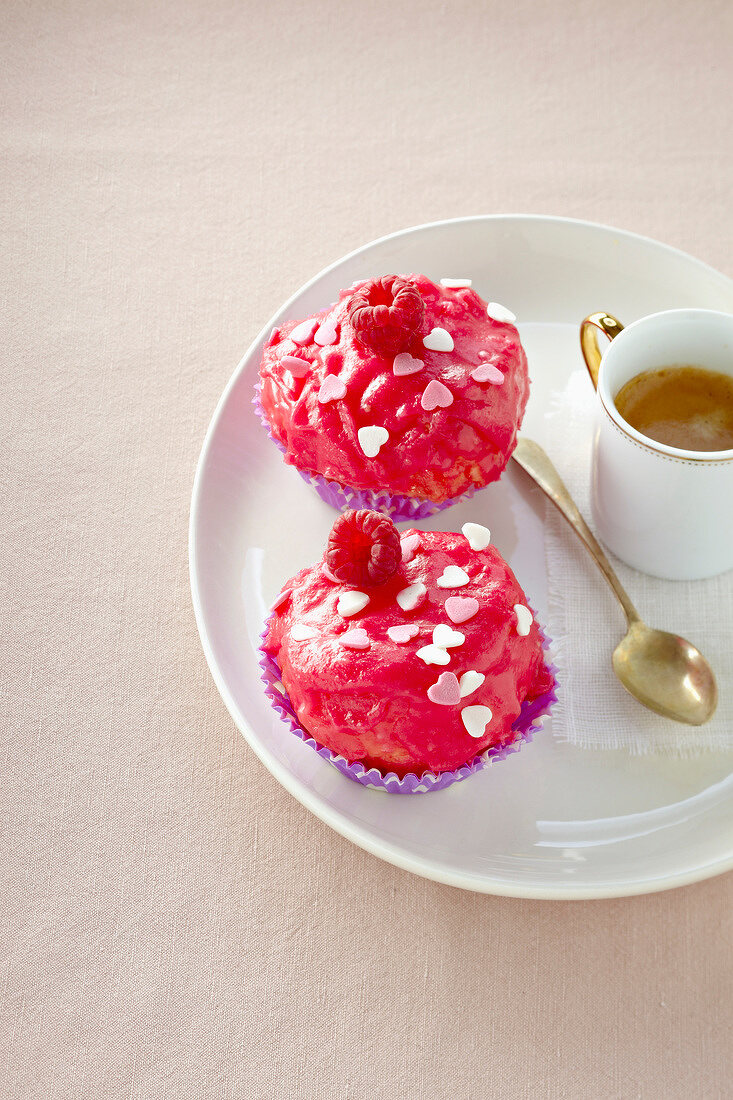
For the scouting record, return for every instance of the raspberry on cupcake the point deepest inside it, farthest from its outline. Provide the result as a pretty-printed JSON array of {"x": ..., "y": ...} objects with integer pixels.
[
  {"x": 409, "y": 661},
  {"x": 404, "y": 395}
]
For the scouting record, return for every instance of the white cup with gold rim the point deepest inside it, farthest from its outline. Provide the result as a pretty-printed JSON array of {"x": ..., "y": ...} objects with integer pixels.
[{"x": 664, "y": 510}]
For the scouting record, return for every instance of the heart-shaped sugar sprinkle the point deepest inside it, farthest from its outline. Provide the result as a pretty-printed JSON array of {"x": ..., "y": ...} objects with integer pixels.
[
  {"x": 478, "y": 537},
  {"x": 404, "y": 363},
  {"x": 355, "y": 639},
  {"x": 436, "y": 395},
  {"x": 524, "y": 619},
  {"x": 500, "y": 313},
  {"x": 445, "y": 691},
  {"x": 438, "y": 340},
  {"x": 332, "y": 389},
  {"x": 460, "y": 609},
  {"x": 454, "y": 284},
  {"x": 326, "y": 334},
  {"x": 303, "y": 333},
  {"x": 410, "y": 545},
  {"x": 447, "y": 638},
  {"x": 433, "y": 655},
  {"x": 452, "y": 577},
  {"x": 487, "y": 372},
  {"x": 403, "y": 633},
  {"x": 371, "y": 439},
  {"x": 351, "y": 603},
  {"x": 301, "y": 633},
  {"x": 470, "y": 682},
  {"x": 409, "y": 598},
  {"x": 476, "y": 719},
  {"x": 298, "y": 367}
]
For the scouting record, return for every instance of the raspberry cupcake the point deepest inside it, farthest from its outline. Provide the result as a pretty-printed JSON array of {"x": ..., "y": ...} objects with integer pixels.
[
  {"x": 409, "y": 662},
  {"x": 405, "y": 395}
]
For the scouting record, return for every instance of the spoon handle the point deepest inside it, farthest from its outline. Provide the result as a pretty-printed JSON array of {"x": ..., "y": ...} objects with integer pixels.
[{"x": 533, "y": 460}]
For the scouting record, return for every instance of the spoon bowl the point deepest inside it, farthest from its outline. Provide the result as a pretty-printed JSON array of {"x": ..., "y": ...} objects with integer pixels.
[{"x": 666, "y": 673}]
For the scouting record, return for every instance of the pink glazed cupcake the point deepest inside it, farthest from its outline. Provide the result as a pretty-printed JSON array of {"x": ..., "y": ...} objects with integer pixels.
[
  {"x": 408, "y": 661},
  {"x": 404, "y": 396}
]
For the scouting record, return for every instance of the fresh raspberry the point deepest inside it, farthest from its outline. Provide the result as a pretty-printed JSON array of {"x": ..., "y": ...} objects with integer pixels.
[
  {"x": 386, "y": 314},
  {"x": 363, "y": 548}
]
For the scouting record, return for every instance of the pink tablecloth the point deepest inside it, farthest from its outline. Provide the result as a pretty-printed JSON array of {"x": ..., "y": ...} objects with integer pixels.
[{"x": 174, "y": 924}]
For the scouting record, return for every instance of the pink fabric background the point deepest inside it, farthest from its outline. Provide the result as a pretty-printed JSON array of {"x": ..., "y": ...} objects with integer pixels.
[{"x": 173, "y": 923}]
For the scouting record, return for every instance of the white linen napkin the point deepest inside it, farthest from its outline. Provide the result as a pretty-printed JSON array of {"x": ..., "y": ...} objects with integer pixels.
[{"x": 586, "y": 622}]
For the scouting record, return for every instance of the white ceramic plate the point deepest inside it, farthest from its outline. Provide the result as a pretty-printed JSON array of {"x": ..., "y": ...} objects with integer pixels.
[{"x": 553, "y": 821}]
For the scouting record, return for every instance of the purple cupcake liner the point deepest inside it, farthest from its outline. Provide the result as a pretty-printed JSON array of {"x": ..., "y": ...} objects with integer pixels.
[
  {"x": 525, "y": 725},
  {"x": 402, "y": 509}
]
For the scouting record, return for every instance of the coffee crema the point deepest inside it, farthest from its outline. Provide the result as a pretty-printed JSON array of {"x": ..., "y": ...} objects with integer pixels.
[{"x": 682, "y": 406}]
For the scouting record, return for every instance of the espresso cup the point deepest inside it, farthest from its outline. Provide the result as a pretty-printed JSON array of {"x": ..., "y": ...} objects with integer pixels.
[{"x": 661, "y": 509}]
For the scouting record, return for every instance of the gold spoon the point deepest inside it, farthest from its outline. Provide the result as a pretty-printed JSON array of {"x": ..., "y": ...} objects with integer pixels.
[{"x": 663, "y": 671}]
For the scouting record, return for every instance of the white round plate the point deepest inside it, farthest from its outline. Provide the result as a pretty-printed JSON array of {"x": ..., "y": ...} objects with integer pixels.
[{"x": 553, "y": 821}]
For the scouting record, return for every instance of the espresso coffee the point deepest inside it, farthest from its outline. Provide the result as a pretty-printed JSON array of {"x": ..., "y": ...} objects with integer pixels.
[{"x": 683, "y": 406}]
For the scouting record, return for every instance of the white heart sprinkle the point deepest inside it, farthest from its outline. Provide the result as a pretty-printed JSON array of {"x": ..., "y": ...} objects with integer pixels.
[
  {"x": 454, "y": 284},
  {"x": 433, "y": 655},
  {"x": 438, "y": 340},
  {"x": 301, "y": 633},
  {"x": 303, "y": 333},
  {"x": 469, "y": 682},
  {"x": 524, "y": 619},
  {"x": 325, "y": 334},
  {"x": 453, "y": 577},
  {"x": 371, "y": 439},
  {"x": 476, "y": 719},
  {"x": 500, "y": 313},
  {"x": 478, "y": 537},
  {"x": 410, "y": 597},
  {"x": 351, "y": 603},
  {"x": 447, "y": 638},
  {"x": 355, "y": 639}
]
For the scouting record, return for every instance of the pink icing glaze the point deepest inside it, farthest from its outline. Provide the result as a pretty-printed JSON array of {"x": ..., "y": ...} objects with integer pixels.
[
  {"x": 431, "y": 454},
  {"x": 372, "y": 705}
]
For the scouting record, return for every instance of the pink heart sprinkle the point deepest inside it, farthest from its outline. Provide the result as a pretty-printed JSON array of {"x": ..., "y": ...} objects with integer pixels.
[
  {"x": 355, "y": 639},
  {"x": 436, "y": 394},
  {"x": 402, "y": 634},
  {"x": 410, "y": 547},
  {"x": 298, "y": 367},
  {"x": 303, "y": 333},
  {"x": 332, "y": 389},
  {"x": 487, "y": 372},
  {"x": 326, "y": 334},
  {"x": 404, "y": 363},
  {"x": 446, "y": 690},
  {"x": 461, "y": 608}
]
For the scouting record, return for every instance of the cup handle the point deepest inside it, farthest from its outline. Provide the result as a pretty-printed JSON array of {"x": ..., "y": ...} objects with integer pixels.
[{"x": 610, "y": 326}]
